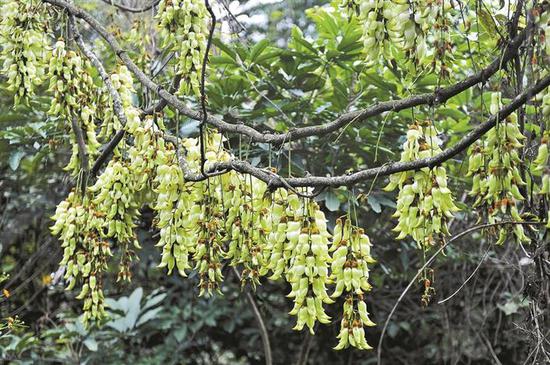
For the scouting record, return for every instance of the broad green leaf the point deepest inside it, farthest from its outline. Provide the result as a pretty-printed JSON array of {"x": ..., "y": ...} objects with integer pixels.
[
  {"x": 258, "y": 49},
  {"x": 15, "y": 159},
  {"x": 331, "y": 201}
]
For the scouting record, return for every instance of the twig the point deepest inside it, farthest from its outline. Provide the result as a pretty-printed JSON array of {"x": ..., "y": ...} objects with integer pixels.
[
  {"x": 467, "y": 279},
  {"x": 304, "y": 350},
  {"x": 263, "y": 330},
  {"x": 110, "y": 147},
  {"x": 82, "y": 151},
  {"x": 204, "y": 118}
]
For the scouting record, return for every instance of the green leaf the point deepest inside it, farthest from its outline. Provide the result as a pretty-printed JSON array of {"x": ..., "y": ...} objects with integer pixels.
[
  {"x": 331, "y": 201},
  {"x": 218, "y": 43},
  {"x": 487, "y": 22},
  {"x": 222, "y": 60},
  {"x": 258, "y": 49},
  {"x": 374, "y": 204},
  {"x": 452, "y": 113},
  {"x": 151, "y": 302},
  {"x": 298, "y": 39},
  {"x": 91, "y": 344},
  {"x": 15, "y": 159},
  {"x": 149, "y": 315}
]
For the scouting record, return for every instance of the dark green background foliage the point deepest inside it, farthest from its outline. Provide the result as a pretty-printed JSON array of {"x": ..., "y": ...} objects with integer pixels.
[{"x": 160, "y": 320}]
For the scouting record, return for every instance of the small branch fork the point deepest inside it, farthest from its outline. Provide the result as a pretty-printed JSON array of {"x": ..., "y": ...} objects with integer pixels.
[
  {"x": 428, "y": 263},
  {"x": 274, "y": 180}
]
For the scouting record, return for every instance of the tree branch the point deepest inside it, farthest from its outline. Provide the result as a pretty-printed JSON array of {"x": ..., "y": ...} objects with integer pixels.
[
  {"x": 439, "y": 96},
  {"x": 132, "y": 10},
  {"x": 117, "y": 102},
  {"x": 391, "y": 168},
  {"x": 274, "y": 180}
]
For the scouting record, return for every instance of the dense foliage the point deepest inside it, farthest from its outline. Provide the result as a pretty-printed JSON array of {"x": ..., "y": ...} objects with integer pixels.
[{"x": 255, "y": 164}]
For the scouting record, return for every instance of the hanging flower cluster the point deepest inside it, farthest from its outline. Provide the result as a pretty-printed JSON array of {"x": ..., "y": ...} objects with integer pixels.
[
  {"x": 232, "y": 217},
  {"x": 247, "y": 225},
  {"x": 541, "y": 162},
  {"x": 80, "y": 227},
  {"x": 123, "y": 83},
  {"x": 73, "y": 98},
  {"x": 391, "y": 26},
  {"x": 496, "y": 175},
  {"x": 424, "y": 203},
  {"x": 350, "y": 259},
  {"x": 183, "y": 25},
  {"x": 105, "y": 214},
  {"x": 309, "y": 266},
  {"x": 24, "y": 39}
]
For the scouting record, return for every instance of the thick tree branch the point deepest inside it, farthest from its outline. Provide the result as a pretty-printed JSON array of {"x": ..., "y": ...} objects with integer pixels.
[
  {"x": 107, "y": 150},
  {"x": 439, "y": 96},
  {"x": 162, "y": 103},
  {"x": 276, "y": 181}
]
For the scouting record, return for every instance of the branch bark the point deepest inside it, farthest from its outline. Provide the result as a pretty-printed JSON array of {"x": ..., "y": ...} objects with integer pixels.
[
  {"x": 129, "y": 9},
  {"x": 276, "y": 181},
  {"x": 439, "y": 96}
]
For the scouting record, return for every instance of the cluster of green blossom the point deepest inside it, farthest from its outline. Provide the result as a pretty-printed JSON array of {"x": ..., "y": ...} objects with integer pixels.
[
  {"x": 391, "y": 26},
  {"x": 234, "y": 218},
  {"x": 183, "y": 25},
  {"x": 350, "y": 259},
  {"x": 114, "y": 195},
  {"x": 139, "y": 36},
  {"x": 542, "y": 19},
  {"x": 495, "y": 166},
  {"x": 279, "y": 248},
  {"x": 106, "y": 212},
  {"x": 123, "y": 84},
  {"x": 247, "y": 225},
  {"x": 541, "y": 162},
  {"x": 424, "y": 203},
  {"x": 80, "y": 227},
  {"x": 73, "y": 92},
  {"x": 308, "y": 270},
  {"x": 24, "y": 40},
  {"x": 190, "y": 214}
]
